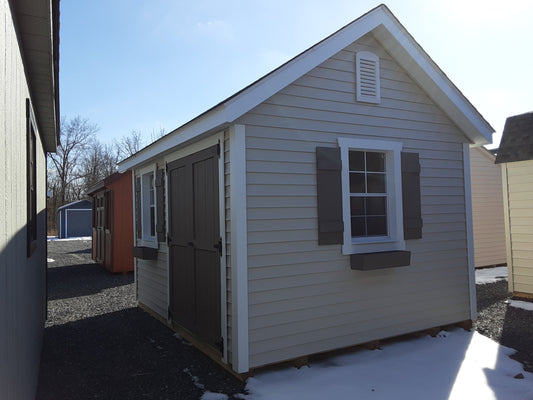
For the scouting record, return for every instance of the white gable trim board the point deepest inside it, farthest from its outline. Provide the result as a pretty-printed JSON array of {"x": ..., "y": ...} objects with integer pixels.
[{"x": 289, "y": 286}]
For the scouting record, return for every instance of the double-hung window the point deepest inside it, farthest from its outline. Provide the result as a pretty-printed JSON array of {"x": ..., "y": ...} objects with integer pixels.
[
  {"x": 148, "y": 206},
  {"x": 371, "y": 195}
]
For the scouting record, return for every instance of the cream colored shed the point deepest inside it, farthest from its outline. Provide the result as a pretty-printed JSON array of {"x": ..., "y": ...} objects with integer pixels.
[
  {"x": 516, "y": 158},
  {"x": 487, "y": 209}
]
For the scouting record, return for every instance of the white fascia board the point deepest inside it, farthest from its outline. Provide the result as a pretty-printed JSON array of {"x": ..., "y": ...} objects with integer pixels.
[
  {"x": 302, "y": 64},
  {"x": 431, "y": 78},
  {"x": 204, "y": 123}
]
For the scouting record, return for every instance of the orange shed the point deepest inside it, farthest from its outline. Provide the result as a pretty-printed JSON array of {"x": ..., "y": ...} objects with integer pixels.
[{"x": 112, "y": 225}]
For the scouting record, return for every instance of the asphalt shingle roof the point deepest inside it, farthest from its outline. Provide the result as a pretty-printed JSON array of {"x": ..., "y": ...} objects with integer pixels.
[{"x": 517, "y": 139}]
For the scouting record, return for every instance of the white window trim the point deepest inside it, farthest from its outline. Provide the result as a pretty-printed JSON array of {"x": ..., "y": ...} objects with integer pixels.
[
  {"x": 147, "y": 240},
  {"x": 394, "y": 241},
  {"x": 369, "y": 56}
]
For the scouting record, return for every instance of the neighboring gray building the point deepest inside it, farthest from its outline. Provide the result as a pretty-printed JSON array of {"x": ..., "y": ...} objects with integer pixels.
[
  {"x": 75, "y": 219},
  {"x": 325, "y": 205},
  {"x": 29, "y": 127}
]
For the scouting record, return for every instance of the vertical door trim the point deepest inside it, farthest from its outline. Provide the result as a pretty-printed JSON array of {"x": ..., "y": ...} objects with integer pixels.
[
  {"x": 469, "y": 231},
  {"x": 239, "y": 251}
]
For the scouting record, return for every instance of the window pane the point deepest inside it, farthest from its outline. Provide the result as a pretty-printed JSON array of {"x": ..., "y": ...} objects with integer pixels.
[
  {"x": 376, "y": 226},
  {"x": 376, "y": 206},
  {"x": 375, "y": 162},
  {"x": 152, "y": 197},
  {"x": 357, "y": 160},
  {"x": 358, "y": 226},
  {"x": 376, "y": 183},
  {"x": 357, "y": 206},
  {"x": 357, "y": 183}
]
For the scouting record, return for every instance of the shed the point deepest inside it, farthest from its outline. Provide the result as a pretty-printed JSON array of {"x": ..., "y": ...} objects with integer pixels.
[
  {"x": 74, "y": 219},
  {"x": 516, "y": 158},
  {"x": 112, "y": 222},
  {"x": 324, "y": 206},
  {"x": 487, "y": 209}
]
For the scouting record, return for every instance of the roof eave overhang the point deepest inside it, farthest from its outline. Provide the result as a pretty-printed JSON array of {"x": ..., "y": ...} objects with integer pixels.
[{"x": 38, "y": 31}]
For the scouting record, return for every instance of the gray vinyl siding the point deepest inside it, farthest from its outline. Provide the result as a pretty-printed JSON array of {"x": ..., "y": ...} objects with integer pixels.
[
  {"x": 304, "y": 298},
  {"x": 22, "y": 279}
]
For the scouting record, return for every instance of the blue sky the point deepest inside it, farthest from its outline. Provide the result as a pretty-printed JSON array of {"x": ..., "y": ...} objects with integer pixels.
[{"x": 145, "y": 65}]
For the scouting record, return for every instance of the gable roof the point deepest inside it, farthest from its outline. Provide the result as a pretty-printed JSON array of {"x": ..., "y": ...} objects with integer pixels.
[
  {"x": 392, "y": 36},
  {"x": 517, "y": 139}
]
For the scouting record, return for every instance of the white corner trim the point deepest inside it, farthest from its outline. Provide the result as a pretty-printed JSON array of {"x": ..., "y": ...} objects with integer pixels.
[
  {"x": 469, "y": 232},
  {"x": 223, "y": 263},
  {"x": 239, "y": 250}
]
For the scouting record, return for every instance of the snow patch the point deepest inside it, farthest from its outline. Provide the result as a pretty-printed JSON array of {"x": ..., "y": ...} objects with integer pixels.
[
  {"x": 56, "y": 239},
  {"x": 454, "y": 365},
  {"x": 214, "y": 396},
  {"x": 524, "y": 305},
  {"x": 50, "y": 260},
  {"x": 490, "y": 275},
  {"x": 194, "y": 379}
]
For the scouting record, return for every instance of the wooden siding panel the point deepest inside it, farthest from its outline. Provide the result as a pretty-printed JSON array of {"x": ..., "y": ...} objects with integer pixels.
[{"x": 304, "y": 298}]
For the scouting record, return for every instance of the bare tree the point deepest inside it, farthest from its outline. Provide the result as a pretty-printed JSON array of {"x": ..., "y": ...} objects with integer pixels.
[
  {"x": 156, "y": 135},
  {"x": 129, "y": 145},
  {"x": 98, "y": 162},
  {"x": 76, "y": 135}
]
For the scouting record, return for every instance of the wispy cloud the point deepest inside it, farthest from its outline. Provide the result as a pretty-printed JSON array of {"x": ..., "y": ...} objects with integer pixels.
[{"x": 218, "y": 29}]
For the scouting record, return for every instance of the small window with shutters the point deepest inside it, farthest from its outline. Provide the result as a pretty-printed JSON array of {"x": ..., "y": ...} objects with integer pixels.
[
  {"x": 367, "y": 77},
  {"x": 371, "y": 195}
]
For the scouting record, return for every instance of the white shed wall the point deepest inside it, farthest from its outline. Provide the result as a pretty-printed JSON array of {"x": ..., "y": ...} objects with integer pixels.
[
  {"x": 518, "y": 189},
  {"x": 487, "y": 209},
  {"x": 22, "y": 279},
  {"x": 304, "y": 298}
]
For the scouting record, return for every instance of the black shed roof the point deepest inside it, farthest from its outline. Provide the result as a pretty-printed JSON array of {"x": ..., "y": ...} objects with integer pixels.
[{"x": 517, "y": 139}]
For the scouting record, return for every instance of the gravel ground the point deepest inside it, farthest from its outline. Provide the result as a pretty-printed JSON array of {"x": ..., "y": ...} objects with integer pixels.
[
  {"x": 99, "y": 345},
  {"x": 509, "y": 326}
]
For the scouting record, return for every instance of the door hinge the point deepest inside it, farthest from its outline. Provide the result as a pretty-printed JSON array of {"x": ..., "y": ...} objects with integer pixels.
[{"x": 169, "y": 239}]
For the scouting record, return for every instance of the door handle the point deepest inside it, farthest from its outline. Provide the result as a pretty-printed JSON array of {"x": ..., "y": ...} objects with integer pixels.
[{"x": 190, "y": 244}]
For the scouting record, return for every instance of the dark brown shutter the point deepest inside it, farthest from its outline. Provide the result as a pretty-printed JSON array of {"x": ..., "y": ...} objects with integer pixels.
[
  {"x": 160, "y": 205},
  {"x": 329, "y": 195},
  {"x": 138, "y": 223},
  {"x": 412, "y": 213}
]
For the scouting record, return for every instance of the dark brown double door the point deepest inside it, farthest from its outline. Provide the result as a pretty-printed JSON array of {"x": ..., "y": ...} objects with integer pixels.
[{"x": 195, "y": 246}]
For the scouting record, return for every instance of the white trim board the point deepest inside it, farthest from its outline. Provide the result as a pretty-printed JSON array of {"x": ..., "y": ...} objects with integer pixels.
[
  {"x": 396, "y": 40},
  {"x": 469, "y": 232},
  {"x": 239, "y": 251}
]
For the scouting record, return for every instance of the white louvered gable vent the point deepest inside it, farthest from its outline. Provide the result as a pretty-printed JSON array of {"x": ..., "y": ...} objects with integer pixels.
[{"x": 367, "y": 77}]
